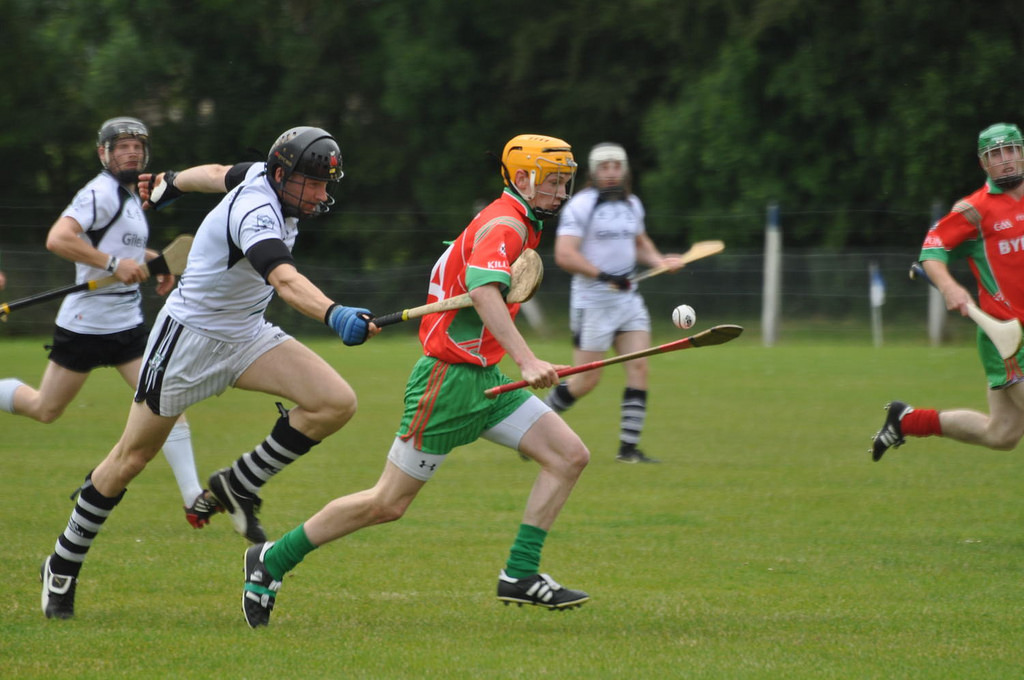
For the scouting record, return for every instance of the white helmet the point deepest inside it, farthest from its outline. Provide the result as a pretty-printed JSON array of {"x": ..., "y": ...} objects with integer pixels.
[{"x": 608, "y": 151}]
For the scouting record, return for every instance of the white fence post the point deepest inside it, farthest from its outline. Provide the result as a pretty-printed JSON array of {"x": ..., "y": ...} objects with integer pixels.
[
  {"x": 772, "y": 290},
  {"x": 876, "y": 298}
]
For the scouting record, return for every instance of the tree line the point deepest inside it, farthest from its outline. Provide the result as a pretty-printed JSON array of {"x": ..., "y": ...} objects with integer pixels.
[{"x": 855, "y": 117}]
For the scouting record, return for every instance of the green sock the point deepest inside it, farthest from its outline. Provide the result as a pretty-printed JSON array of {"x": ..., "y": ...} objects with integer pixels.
[
  {"x": 287, "y": 552},
  {"x": 524, "y": 558}
]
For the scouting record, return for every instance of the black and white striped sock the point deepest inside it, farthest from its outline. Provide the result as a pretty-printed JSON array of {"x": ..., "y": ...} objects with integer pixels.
[
  {"x": 91, "y": 510},
  {"x": 560, "y": 399},
  {"x": 634, "y": 413},
  {"x": 283, "y": 447}
]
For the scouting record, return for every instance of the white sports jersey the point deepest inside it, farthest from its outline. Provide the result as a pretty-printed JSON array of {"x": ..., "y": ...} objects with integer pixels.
[
  {"x": 220, "y": 294},
  {"x": 608, "y": 231},
  {"x": 113, "y": 222}
]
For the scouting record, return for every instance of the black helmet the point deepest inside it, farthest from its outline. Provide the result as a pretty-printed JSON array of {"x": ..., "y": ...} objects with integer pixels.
[
  {"x": 307, "y": 151},
  {"x": 119, "y": 128}
]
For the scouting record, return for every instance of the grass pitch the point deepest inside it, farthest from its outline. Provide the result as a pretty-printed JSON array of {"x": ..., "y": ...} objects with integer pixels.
[{"x": 767, "y": 544}]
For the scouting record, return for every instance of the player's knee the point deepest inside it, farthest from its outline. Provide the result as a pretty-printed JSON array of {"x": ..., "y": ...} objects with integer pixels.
[
  {"x": 131, "y": 463},
  {"x": 340, "y": 407},
  {"x": 47, "y": 415},
  {"x": 1005, "y": 442},
  {"x": 636, "y": 371},
  {"x": 391, "y": 513},
  {"x": 388, "y": 511},
  {"x": 579, "y": 455},
  {"x": 574, "y": 456},
  {"x": 586, "y": 383}
]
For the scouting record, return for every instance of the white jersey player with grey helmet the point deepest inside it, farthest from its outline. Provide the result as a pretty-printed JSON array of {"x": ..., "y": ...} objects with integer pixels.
[
  {"x": 600, "y": 239},
  {"x": 104, "y": 232},
  {"x": 212, "y": 335}
]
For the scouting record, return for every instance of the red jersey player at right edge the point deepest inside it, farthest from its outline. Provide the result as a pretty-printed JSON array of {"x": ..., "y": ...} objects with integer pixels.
[
  {"x": 445, "y": 405},
  {"x": 987, "y": 227}
]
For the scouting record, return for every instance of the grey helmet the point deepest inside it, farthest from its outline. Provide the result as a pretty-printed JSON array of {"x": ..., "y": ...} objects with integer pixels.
[{"x": 119, "y": 128}]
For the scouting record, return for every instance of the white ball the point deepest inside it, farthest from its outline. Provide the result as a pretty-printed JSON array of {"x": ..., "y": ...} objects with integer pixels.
[{"x": 684, "y": 317}]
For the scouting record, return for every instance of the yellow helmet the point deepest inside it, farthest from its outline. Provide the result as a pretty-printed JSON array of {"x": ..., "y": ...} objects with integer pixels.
[{"x": 539, "y": 156}]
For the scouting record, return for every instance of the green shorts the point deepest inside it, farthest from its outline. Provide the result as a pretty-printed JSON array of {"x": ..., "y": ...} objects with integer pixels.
[
  {"x": 1000, "y": 374},
  {"x": 445, "y": 406}
]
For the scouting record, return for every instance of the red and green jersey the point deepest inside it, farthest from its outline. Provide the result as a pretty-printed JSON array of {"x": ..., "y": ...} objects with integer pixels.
[
  {"x": 987, "y": 228},
  {"x": 482, "y": 254}
]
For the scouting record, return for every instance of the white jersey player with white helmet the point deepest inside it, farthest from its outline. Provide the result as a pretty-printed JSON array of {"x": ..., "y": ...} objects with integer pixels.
[
  {"x": 600, "y": 239},
  {"x": 104, "y": 231},
  {"x": 212, "y": 335}
]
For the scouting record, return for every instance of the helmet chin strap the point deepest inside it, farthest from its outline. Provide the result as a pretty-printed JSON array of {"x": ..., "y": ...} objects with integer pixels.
[
  {"x": 547, "y": 213},
  {"x": 1009, "y": 183},
  {"x": 615, "y": 193},
  {"x": 289, "y": 210}
]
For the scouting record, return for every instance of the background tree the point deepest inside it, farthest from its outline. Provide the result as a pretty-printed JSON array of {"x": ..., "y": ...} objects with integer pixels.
[{"x": 855, "y": 119}]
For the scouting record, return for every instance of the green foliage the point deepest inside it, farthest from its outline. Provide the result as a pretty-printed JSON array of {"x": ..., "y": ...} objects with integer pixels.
[{"x": 862, "y": 114}]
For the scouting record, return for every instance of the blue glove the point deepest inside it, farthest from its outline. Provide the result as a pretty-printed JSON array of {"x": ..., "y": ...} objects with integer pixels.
[{"x": 352, "y": 324}]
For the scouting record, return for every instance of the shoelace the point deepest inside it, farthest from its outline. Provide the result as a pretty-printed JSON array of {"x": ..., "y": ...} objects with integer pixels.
[{"x": 888, "y": 436}]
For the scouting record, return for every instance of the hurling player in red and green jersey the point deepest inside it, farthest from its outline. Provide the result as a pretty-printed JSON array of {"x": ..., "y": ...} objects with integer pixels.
[
  {"x": 445, "y": 405},
  {"x": 987, "y": 228},
  {"x": 483, "y": 254}
]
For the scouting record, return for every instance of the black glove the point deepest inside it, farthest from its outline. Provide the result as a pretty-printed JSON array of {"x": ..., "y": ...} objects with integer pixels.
[
  {"x": 166, "y": 193},
  {"x": 617, "y": 280}
]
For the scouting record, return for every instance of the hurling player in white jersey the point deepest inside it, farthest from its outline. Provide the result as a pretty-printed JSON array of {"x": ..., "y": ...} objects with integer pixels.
[
  {"x": 600, "y": 239},
  {"x": 212, "y": 335},
  {"x": 104, "y": 231}
]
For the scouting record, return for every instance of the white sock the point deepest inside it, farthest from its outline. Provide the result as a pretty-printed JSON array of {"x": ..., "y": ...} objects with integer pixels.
[
  {"x": 178, "y": 452},
  {"x": 8, "y": 386}
]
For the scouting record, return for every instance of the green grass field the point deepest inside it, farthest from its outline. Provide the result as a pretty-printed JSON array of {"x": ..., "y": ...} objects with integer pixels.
[{"x": 767, "y": 545}]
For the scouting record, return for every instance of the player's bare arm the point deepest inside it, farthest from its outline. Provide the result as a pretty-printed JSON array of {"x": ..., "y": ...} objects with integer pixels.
[
  {"x": 956, "y": 296},
  {"x": 155, "y": 188},
  {"x": 570, "y": 258},
  {"x": 648, "y": 254},
  {"x": 302, "y": 294},
  {"x": 493, "y": 311},
  {"x": 63, "y": 240}
]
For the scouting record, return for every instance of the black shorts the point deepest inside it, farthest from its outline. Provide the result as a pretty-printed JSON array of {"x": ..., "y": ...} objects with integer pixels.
[{"x": 82, "y": 353}]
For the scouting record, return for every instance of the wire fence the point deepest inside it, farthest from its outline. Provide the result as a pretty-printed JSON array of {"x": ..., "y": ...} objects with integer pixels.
[{"x": 824, "y": 294}]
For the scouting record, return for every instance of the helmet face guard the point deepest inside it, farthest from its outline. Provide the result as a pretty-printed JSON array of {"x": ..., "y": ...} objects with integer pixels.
[
  {"x": 1001, "y": 152},
  {"x": 540, "y": 157},
  {"x": 115, "y": 129},
  {"x": 303, "y": 153}
]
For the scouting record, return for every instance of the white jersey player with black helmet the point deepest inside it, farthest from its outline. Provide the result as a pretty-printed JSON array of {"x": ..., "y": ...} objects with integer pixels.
[
  {"x": 600, "y": 239},
  {"x": 212, "y": 335},
  {"x": 104, "y": 231}
]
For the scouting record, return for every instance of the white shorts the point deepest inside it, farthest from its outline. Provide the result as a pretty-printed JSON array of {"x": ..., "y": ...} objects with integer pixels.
[
  {"x": 181, "y": 367},
  {"x": 422, "y": 466},
  {"x": 594, "y": 328}
]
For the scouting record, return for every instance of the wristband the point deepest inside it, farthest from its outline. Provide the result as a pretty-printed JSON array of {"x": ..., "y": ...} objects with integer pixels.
[
  {"x": 327, "y": 316},
  {"x": 112, "y": 264},
  {"x": 166, "y": 193}
]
